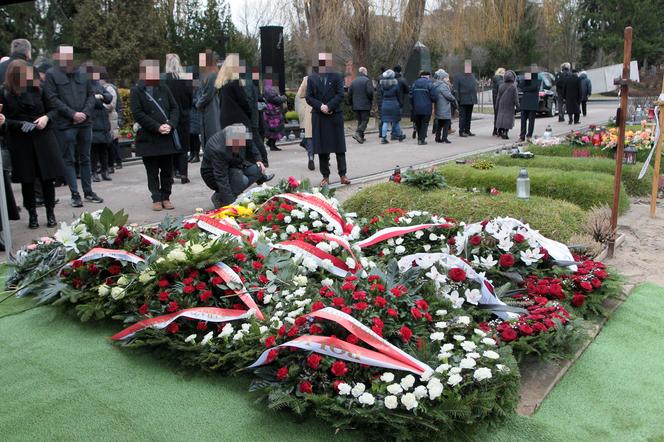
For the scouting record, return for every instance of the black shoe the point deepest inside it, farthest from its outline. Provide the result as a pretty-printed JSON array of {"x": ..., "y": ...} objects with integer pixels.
[
  {"x": 384, "y": 141},
  {"x": 264, "y": 179},
  {"x": 76, "y": 200},
  {"x": 505, "y": 137},
  {"x": 177, "y": 175},
  {"x": 39, "y": 201},
  {"x": 495, "y": 132},
  {"x": 311, "y": 165},
  {"x": 118, "y": 166},
  {"x": 275, "y": 149},
  {"x": 57, "y": 200},
  {"x": 266, "y": 164},
  {"x": 401, "y": 138},
  {"x": 470, "y": 134},
  {"x": 50, "y": 218},
  {"x": 185, "y": 180},
  {"x": 195, "y": 160},
  {"x": 32, "y": 220},
  {"x": 105, "y": 177},
  {"x": 96, "y": 178},
  {"x": 561, "y": 120},
  {"x": 111, "y": 170},
  {"x": 522, "y": 139},
  {"x": 438, "y": 140},
  {"x": 414, "y": 134},
  {"x": 463, "y": 134},
  {"x": 421, "y": 142},
  {"x": 358, "y": 138},
  {"x": 445, "y": 140},
  {"x": 94, "y": 198}
]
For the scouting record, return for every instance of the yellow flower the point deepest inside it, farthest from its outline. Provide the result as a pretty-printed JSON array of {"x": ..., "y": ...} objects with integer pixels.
[{"x": 233, "y": 211}]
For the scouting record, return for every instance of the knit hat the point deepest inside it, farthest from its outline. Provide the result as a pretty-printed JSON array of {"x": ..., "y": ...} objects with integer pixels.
[{"x": 441, "y": 74}]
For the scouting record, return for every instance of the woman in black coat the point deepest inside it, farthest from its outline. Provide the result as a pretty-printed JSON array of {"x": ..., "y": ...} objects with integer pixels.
[
  {"x": 157, "y": 113},
  {"x": 31, "y": 139},
  {"x": 183, "y": 91},
  {"x": 233, "y": 102},
  {"x": 496, "y": 81},
  {"x": 572, "y": 93},
  {"x": 101, "y": 129}
]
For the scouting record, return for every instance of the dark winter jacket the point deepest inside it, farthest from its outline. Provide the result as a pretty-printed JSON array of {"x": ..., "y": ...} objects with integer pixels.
[
  {"x": 360, "y": 93},
  {"x": 195, "y": 115},
  {"x": 507, "y": 102},
  {"x": 495, "y": 84},
  {"x": 69, "y": 93},
  {"x": 391, "y": 105},
  {"x": 530, "y": 97},
  {"x": 183, "y": 91},
  {"x": 234, "y": 105},
  {"x": 422, "y": 96},
  {"x": 586, "y": 86},
  {"x": 149, "y": 142},
  {"x": 465, "y": 89},
  {"x": 253, "y": 96},
  {"x": 571, "y": 90},
  {"x": 327, "y": 129},
  {"x": 101, "y": 125},
  {"x": 36, "y": 153},
  {"x": 208, "y": 105}
]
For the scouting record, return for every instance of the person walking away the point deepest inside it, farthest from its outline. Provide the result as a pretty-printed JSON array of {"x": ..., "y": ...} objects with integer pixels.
[
  {"x": 496, "y": 81},
  {"x": 182, "y": 90},
  {"x": 195, "y": 130},
  {"x": 465, "y": 87},
  {"x": 560, "y": 96},
  {"x": 390, "y": 106},
  {"x": 404, "y": 91},
  {"x": 379, "y": 101},
  {"x": 31, "y": 138},
  {"x": 255, "y": 101},
  {"x": 325, "y": 91},
  {"x": 69, "y": 92},
  {"x": 208, "y": 99},
  {"x": 530, "y": 86},
  {"x": 443, "y": 100},
  {"x": 273, "y": 117},
  {"x": 156, "y": 111},
  {"x": 304, "y": 113},
  {"x": 101, "y": 127},
  {"x": 228, "y": 168},
  {"x": 114, "y": 122},
  {"x": 586, "y": 91},
  {"x": 572, "y": 94},
  {"x": 360, "y": 98},
  {"x": 421, "y": 98},
  {"x": 507, "y": 102}
]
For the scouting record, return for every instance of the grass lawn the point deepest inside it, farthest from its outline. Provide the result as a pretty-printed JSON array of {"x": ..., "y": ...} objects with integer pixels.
[{"x": 63, "y": 380}]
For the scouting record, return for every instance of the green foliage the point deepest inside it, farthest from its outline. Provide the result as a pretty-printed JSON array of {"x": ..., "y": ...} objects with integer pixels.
[
  {"x": 482, "y": 165},
  {"x": 291, "y": 115},
  {"x": 425, "y": 179},
  {"x": 586, "y": 189},
  {"x": 633, "y": 185},
  {"x": 553, "y": 218}
]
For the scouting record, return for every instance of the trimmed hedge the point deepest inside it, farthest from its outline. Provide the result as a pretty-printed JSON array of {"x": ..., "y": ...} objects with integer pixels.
[
  {"x": 553, "y": 218},
  {"x": 565, "y": 150},
  {"x": 585, "y": 189},
  {"x": 630, "y": 175}
]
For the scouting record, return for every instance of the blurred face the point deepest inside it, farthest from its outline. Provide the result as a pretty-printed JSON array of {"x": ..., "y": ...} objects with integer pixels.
[
  {"x": 236, "y": 137},
  {"x": 324, "y": 62},
  {"x": 149, "y": 71},
  {"x": 468, "y": 67},
  {"x": 65, "y": 56}
]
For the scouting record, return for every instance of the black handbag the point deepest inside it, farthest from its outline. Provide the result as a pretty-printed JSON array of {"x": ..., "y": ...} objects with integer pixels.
[{"x": 174, "y": 132}]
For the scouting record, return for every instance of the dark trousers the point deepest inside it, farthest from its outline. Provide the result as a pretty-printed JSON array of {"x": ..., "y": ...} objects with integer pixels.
[
  {"x": 258, "y": 141},
  {"x": 238, "y": 179},
  {"x": 99, "y": 154},
  {"x": 194, "y": 145},
  {"x": 583, "y": 107},
  {"x": 48, "y": 193},
  {"x": 576, "y": 116},
  {"x": 561, "y": 108},
  {"x": 421, "y": 126},
  {"x": 75, "y": 143},
  {"x": 181, "y": 163},
  {"x": 160, "y": 176},
  {"x": 115, "y": 156},
  {"x": 527, "y": 119},
  {"x": 465, "y": 116},
  {"x": 324, "y": 162},
  {"x": 362, "y": 121},
  {"x": 443, "y": 125}
]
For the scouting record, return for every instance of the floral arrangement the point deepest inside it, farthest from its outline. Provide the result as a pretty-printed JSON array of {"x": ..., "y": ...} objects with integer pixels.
[{"x": 408, "y": 324}]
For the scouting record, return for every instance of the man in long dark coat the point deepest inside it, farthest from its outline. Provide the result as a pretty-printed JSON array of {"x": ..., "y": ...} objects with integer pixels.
[
  {"x": 572, "y": 94},
  {"x": 325, "y": 92}
]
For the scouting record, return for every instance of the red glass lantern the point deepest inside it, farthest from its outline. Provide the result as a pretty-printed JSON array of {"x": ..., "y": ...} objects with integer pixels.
[
  {"x": 651, "y": 114},
  {"x": 597, "y": 138}
]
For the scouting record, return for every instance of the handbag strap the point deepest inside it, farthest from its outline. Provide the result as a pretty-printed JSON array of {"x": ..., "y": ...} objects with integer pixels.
[{"x": 151, "y": 98}]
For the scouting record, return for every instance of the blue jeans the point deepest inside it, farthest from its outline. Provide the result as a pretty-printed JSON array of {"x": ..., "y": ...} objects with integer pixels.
[
  {"x": 69, "y": 139},
  {"x": 396, "y": 129},
  {"x": 310, "y": 147}
]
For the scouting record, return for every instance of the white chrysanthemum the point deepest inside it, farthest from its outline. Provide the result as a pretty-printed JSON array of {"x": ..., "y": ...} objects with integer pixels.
[
  {"x": 350, "y": 262},
  {"x": 290, "y": 229},
  {"x": 287, "y": 219},
  {"x": 325, "y": 247},
  {"x": 433, "y": 237},
  {"x": 455, "y": 370},
  {"x": 473, "y": 354},
  {"x": 317, "y": 224},
  {"x": 387, "y": 377},
  {"x": 310, "y": 264},
  {"x": 197, "y": 249},
  {"x": 176, "y": 255},
  {"x": 454, "y": 379},
  {"x": 480, "y": 333},
  {"x": 441, "y": 312},
  {"x": 327, "y": 282},
  {"x": 426, "y": 247},
  {"x": 409, "y": 401},
  {"x": 344, "y": 389},
  {"x": 391, "y": 402},
  {"x": 303, "y": 228},
  {"x": 358, "y": 389},
  {"x": 394, "y": 389},
  {"x": 482, "y": 373},
  {"x": 419, "y": 234},
  {"x": 447, "y": 347},
  {"x": 399, "y": 250},
  {"x": 502, "y": 368},
  {"x": 366, "y": 399},
  {"x": 300, "y": 280},
  {"x": 468, "y": 345},
  {"x": 407, "y": 381}
]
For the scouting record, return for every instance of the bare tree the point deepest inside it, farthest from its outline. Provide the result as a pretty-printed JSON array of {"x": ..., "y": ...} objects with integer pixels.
[{"x": 411, "y": 24}]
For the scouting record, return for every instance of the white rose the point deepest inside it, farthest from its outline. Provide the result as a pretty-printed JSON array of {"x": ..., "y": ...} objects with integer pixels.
[
  {"x": 473, "y": 355},
  {"x": 350, "y": 262},
  {"x": 437, "y": 336},
  {"x": 441, "y": 312},
  {"x": 290, "y": 229},
  {"x": 419, "y": 234},
  {"x": 226, "y": 331},
  {"x": 435, "y": 388},
  {"x": 103, "y": 290},
  {"x": 145, "y": 276},
  {"x": 113, "y": 231},
  {"x": 482, "y": 373},
  {"x": 325, "y": 247},
  {"x": 395, "y": 389},
  {"x": 400, "y": 250},
  {"x": 300, "y": 280},
  {"x": 391, "y": 402},
  {"x": 344, "y": 389},
  {"x": 288, "y": 219},
  {"x": 489, "y": 341},
  {"x": 467, "y": 363},
  {"x": 433, "y": 237},
  {"x": 358, "y": 389},
  {"x": 442, "y": 368},
  {"x": 455, "y": 370},
  {"x": 502, "y": 368},
  {"x": 420, "y": 392},
  {"x": 408, "y": 381},
  {"x": 479, "y": 332},
  {"x": 409, "y": 401},
  {"x": 118, "y": 293},
  {"x": 387, "y": 377},
  {"x": 366, "y": 399},
  {"x": 176, "y": 255},
  {"x": 454, "y": 380},
  {"x": 465, "y": 320},
  {"x": 441, "y": 324},
  {"x": 491, "y": 354},
  {"x": 426, "y": 247},
  {"x": 468, "y": 345},
  {"x": 317, "y": 224},
  {"x": 207, "y": 338},
  {"x": 327, "y": 282},
  {"x": 390, "y": 242},
  {"x": 197, "y": 249},
  {"x": 122, "y": 280},
  {"x": 459, "y": 338},
  {"x": 303, "y": 228}
]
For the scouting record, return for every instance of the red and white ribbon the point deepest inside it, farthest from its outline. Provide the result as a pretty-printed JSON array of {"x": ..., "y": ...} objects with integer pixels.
[
  {"x": 392, "y": 232},
  {"x": 229, "y": 276},
  {"x": 209, "y": 314},
  {"x": 386, "y": 355},
  {"x": 216, "y": 227},
  {"x": 151, "y": 240},
  {"x": 320, "y": 205},
  {"x": 302, "y": 248},
  {"x": 100, "y": 252},
  {"x": 343, "y": 242}
]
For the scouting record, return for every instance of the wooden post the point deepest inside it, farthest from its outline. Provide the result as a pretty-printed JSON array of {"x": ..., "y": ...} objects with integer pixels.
[
  {"x": 658, "y": 157},
  {"x": 620, "y": 151}
]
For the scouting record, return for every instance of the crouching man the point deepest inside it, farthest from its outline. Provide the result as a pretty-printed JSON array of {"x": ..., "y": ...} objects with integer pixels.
[{"x": 231, "y": 163}]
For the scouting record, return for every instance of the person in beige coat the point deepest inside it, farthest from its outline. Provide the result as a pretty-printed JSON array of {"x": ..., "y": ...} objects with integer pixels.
[{"x": 304, "y": 112}]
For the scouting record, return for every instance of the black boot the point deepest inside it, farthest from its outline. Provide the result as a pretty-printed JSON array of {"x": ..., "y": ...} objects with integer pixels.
[
  {"x": 50, "y": 217},
  {"x": 32, "y": 220}
]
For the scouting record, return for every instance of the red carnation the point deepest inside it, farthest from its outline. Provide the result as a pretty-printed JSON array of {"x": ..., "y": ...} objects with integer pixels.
[
  {"x": 338, "y": 302},
  {"x": 422, "y": 304},
  {"x": 476, "y": 240},
  {"x": 272, "y": 355},
  {"x": 188, "y": 281},
  {"x": 506, "y": 260},
  {"x": 317, "y": 306},
  {"x": 578, "y": 299},
  {"x": 315, "y": 329},
  {"x": 163, "y": 283},
  {"x": 392, "y": 312},
  {"x": 508, "y": 335},
  {"x": 373, "y": 278},
  {"x": 202, "y": 325},
  {"x": 406, "y": 333},
  {"x": 172, "y": 306},
  {"x": 416, "y": 313},
  {"x": 457, "y": 275},
  {"x": 339, "y": 368},
  {"x": 201, "y": 286},
  {"x": 526, "y": 329},
  {"x": 347, "y": 310},
  {"x": 188, "y": 289},
  {"x": 143, "y": 310},
  {"x": 205, "y": 295},
  {"x": 282, "y": 373},
  {"x": 306, "y": 387},
  {"x": 313, "y": 361},
  {"x": 352, "y": 339},
  {"x": 78, "y": 263},
  {"x": 257, "y": 265},
  {"x": 519, "y": 238},
  {"x": 241, "y": 257},
  {"x": 585, "y": 285},
  {"x": 173, "y": 327},
  {"x": 216, "y": 280},
  {"x": 451, "y": 241},
  {"x": 270, "y": 341},
  {"x": 163, "y": 296},
  {"x": 361, "y": 306},
  {"x": 379, "y": 301},
  {"x": 114, "y": 269},
  {"x": 359, "y": 296},
  {"x": 292, "y": 182}
]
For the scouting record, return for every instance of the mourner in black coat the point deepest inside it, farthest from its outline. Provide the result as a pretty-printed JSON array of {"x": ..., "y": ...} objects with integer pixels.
[
  {"x": 155, "y": 139},
  {"x": 571, "y": 85},
  {"x": 183, "y": 91},
  {"x": 324, "y": 94},
  {"x": 33, "y": 146}
]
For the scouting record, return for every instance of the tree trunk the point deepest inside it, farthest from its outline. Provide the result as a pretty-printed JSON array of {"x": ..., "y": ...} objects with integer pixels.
[
  {"x": 357, "y": 29},
  {"x": 410, "y": 31}
]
